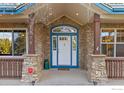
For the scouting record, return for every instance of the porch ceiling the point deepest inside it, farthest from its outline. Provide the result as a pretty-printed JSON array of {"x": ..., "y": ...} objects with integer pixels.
[
  {"x": 47, "y": 13},
  {"x": 80, "y": 12},
  {"x": 104, "y": 15},
  {"x": 77, "y": 12},
  {"x": 51, "y": 12}
]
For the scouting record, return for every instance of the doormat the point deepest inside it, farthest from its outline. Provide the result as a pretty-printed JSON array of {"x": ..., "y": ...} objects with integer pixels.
[{"x": 67, "y": 69}]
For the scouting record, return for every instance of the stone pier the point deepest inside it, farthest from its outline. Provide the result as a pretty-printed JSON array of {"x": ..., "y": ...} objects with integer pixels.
[
  {"x": 32, "y": 61},
  {"x": 97, "y": 69}
]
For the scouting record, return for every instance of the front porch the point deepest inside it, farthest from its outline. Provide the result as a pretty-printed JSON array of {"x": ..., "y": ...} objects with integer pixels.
[
  {"x": 58, "y": 77},
  {"x": 55, "y": 77},
  {"x": 69, "y": 39}
]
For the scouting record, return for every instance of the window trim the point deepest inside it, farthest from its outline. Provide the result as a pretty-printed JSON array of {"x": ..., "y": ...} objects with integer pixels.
[
  {"x": 115, "y": 41},
  {"x": 12, "y": 29}
]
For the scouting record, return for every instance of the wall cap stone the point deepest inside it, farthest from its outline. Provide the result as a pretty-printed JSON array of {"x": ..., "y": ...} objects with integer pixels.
[
  {"x": 28, "y": 55},
  {"x": 97, "y": 55}
]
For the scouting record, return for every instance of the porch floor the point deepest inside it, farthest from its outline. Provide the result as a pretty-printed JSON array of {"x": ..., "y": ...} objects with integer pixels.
[
  {"x": 61, "y": 77},
  {"x": 64, "y": 77}
]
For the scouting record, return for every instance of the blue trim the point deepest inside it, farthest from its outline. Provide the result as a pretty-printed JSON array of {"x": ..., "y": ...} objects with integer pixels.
[
  {"x": 51, "y": 54},
  {"x": 71, "y": 49},
  {"x": 23, "y": 8},
  {"x": 57, "y": 50},
  {"x": 13, "y": 10},
  {"x": 104, "y": 7},
  {"x": 77, "y": 49},
  {"x": 65, "y": 34},
  {"x": 109, "y": 10},
  {"x": 118, "y": 9},
  {"x": 64, "y": 67}
]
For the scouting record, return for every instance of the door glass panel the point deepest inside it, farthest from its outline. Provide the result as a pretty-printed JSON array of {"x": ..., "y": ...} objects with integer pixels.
[
  {"x": 63, "y": 38},
  {"x": 74, "y": 44},
  {"x": 54, "y": 43}
]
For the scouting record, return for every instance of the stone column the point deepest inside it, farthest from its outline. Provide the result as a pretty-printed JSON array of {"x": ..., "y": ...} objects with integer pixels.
[
  {"x": 96, "y": 34},
  {"x": 32, "y": 61},
  {"x": 31, "y": 34},
  {"x": 97, "y": 69}
]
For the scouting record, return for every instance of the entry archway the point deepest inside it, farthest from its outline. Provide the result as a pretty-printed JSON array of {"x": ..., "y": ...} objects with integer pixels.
[{"x": 64, "y": 47}]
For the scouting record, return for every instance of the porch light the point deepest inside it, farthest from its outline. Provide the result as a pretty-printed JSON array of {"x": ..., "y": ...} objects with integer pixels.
[
  {"x": 77, "y": 14},
  {"x": 50, "y": 14}
]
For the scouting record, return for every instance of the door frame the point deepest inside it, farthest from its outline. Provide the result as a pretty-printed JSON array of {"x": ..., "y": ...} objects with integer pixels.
[{"x": 64, "y": 34}]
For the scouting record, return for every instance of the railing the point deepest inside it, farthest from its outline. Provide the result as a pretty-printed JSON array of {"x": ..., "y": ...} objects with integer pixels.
[
  {"x": 115, "y": 68},
  {"x": 11, "y": 67}
]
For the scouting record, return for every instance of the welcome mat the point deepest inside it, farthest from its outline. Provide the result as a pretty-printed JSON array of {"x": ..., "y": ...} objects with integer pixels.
[{"x": 64, "y": 69}]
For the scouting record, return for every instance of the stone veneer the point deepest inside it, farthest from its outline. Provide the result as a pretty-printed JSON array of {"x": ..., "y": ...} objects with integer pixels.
[
  {"x": 86, "y": 38},
  {"x": 34, "y": 61},
  {"x": 82, "y": 37},
  {"x": 88, "y": 46},
  {"x": 97, "y": 69},
  {"x": 42, "y": 39}
]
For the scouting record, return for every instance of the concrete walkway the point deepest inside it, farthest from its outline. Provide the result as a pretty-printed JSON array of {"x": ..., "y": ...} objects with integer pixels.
[
  {"x": 61, "y": 77},
  {"x": 55, "y": 77}
]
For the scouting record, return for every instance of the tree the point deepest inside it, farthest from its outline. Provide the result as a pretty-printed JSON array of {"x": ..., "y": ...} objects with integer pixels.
[
  {"x": 20, "y": 43},
  {"x": 5, "y": 46}
]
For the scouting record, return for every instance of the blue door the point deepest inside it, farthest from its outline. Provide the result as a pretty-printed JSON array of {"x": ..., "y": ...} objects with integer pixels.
[{"x": 64, "y": 47}]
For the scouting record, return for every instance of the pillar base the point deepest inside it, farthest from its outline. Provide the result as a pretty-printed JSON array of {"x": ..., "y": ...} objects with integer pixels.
[
  {"x": 97, "y": 69},
  {"x": 34, "y": 62}
]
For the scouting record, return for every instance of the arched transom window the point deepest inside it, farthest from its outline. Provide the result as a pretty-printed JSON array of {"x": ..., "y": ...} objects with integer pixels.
[{"x": 64, "y": 29}]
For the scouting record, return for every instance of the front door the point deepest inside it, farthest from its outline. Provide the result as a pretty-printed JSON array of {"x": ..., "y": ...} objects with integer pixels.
[{"x": 64, "y": 49}]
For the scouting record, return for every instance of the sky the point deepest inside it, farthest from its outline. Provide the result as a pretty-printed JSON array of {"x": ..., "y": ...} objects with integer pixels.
[{"x": 6, "y": 35}]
